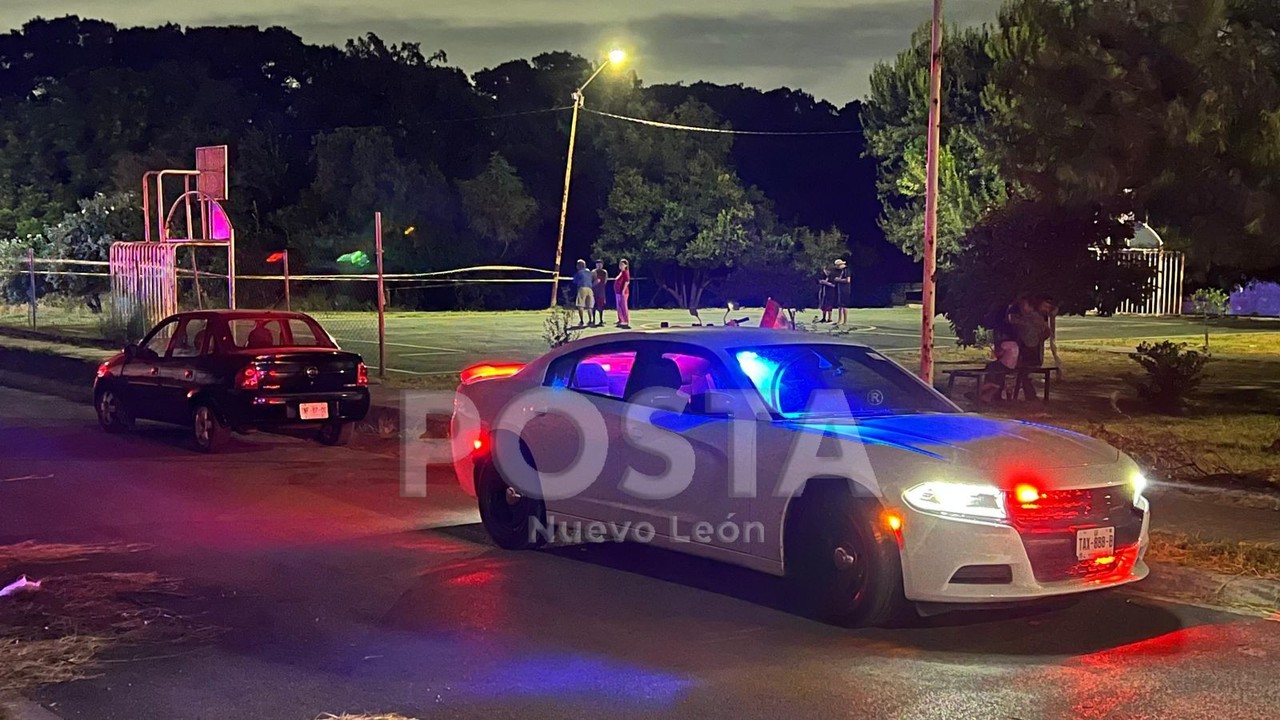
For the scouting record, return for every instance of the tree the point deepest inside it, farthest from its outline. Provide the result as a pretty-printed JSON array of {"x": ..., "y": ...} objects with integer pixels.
[
  {"x": 786, "y": 270},
  {"x": 678, "y": 209},
  {"x": 86, "y": 234},
  {"x": 1168, "y": 106},
  {"x": 1040, "y": 247},
  {"x": 498, "y": 208},
  {"x": 895, "y": 118}
]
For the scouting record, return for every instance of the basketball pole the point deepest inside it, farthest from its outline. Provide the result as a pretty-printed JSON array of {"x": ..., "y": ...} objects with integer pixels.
[
  {"x": 382, "y": 305},
  {"x": 928, "y": 295}
]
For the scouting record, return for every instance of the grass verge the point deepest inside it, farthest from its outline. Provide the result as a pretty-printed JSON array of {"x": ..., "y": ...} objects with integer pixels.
[
  {"x": 1229, "y": 435},
  {"x": 1260, "y": 560}
]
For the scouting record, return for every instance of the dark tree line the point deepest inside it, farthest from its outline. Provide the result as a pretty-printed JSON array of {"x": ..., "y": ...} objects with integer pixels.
[{"x": 323, "y": 136}]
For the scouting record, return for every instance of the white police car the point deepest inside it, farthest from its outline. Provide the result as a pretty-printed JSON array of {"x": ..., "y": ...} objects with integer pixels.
[{"x": 796, "y": 455}]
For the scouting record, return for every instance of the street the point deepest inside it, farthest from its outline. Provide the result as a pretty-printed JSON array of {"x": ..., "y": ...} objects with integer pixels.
[{"x": 337, "y": 595}]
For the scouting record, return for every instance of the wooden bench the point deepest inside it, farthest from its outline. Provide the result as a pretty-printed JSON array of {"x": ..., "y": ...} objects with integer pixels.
[{"x": 1020, "y": 374}]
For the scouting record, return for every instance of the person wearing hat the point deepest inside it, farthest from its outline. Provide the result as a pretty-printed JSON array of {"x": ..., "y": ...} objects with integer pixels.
[{"x": 844, "y": 285}]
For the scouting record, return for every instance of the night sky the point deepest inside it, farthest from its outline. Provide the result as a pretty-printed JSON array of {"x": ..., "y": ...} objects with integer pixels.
[{"x": 826, "y": 47}]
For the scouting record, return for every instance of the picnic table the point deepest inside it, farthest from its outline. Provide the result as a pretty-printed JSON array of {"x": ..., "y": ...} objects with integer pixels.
[{"x": 1020, "y": 374}]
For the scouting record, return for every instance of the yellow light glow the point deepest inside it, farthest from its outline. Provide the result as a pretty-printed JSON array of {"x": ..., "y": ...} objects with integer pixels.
[
  {"x": 1027, "y": 494},
  {"x": 893, "y": 521},
  {"x": 617, "y": 56}
]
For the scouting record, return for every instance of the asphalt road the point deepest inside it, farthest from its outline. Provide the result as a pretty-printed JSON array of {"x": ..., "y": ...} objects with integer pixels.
[{"x": 338, "y": 595}]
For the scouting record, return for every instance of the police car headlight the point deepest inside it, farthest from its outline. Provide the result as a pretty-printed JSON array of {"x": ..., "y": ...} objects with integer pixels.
[
  {"x": 940, "y": 497},
  {"x": 1139, "y": 484}
]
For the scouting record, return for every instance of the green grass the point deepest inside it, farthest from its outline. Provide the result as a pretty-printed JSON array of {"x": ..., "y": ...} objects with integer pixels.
[{"x": 1225, "y": 436}]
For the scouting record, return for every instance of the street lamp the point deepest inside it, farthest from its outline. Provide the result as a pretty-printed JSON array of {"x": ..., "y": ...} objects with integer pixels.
[{"x": 615, "y": 57}]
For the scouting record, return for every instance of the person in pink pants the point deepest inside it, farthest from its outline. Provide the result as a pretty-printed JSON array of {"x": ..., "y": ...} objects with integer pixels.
[{"x": 622, "y": 294}]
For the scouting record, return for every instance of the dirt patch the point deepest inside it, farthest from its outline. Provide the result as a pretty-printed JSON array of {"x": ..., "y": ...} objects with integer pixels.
[
  {"x": 1261, "y": 560},
  {"x": 74, "y": 623}
]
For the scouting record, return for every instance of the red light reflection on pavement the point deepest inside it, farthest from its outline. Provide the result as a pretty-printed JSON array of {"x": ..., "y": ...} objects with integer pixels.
[{"x": 1115, "y": 682}]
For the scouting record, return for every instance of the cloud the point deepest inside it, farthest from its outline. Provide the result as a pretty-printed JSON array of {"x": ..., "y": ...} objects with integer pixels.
[{"x": 826, "y": 50}]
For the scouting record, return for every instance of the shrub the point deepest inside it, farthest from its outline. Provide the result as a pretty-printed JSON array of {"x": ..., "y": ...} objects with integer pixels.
[
  {"x": 1173, "y": 372},
  {"x": 123, "y": 323},
  {"x": 558, "y": 328},
  {"x": 1210, "y": 302}
]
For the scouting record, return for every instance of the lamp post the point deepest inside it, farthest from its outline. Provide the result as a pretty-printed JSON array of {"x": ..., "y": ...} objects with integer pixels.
[
  {"x": 616, "y": 57},
  {"x": 928, "y": 297}
]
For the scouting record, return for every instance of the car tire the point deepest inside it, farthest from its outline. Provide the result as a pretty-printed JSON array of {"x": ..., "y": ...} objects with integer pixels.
[
  {"x": 843, "y": 565},
  {"x": 507, "y": 515},
  {"x": 335, "y": 433},
  {"x": 113, "y": 415},
  {"x": 208, "y": 434}
]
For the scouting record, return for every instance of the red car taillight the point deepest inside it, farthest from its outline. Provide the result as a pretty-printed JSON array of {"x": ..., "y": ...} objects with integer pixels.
[
  {"x": 249, "y": 378},
  {"x": 104, "y": 369},
  {"x": 487, "y": 371},
  {"x": 362, "y": 374}
]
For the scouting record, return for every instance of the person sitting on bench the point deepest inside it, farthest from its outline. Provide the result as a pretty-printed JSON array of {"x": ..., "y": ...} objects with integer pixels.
[{"x": 1004, "y": 347}]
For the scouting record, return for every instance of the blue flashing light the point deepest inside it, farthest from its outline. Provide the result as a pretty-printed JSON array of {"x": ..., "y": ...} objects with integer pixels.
[{"x": 762, "y": 372}]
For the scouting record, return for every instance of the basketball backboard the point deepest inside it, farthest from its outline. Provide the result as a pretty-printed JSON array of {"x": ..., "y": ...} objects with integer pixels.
[{"x": 211, "y": 162}]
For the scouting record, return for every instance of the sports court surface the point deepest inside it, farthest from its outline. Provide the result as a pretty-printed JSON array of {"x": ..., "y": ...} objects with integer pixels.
[{"x": 441, "y": 343}]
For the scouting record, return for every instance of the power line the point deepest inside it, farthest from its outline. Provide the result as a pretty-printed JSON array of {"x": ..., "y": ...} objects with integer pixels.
[
  {"x": 478, "y": 118},
  {"x": 720, "y": 131}
]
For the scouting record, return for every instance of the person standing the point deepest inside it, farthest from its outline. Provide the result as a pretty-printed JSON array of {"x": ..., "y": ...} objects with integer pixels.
[
  {"x": 844, "y": 286},
  {"x": 599, "y": 281},
  {"x": 1032, "y": 329},
  {"x": 826, "y": 294},
  {"x": 583, "y": 297},
  {"x": 622, "y": 294}
]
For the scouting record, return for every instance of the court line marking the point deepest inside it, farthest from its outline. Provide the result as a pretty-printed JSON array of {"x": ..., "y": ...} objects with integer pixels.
[{"x": 400, "y": 344}]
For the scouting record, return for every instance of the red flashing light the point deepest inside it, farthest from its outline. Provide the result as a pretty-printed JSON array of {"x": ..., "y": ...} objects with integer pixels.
[
  {"x": 362, "y": 374},
  {"x": 1026, "y": 494},
  {"x": 104, "y": 369},
  {"x": 480, "y": 445},
  {"x": 249, "y": 378},
  {"x": 488, "y": 371}
]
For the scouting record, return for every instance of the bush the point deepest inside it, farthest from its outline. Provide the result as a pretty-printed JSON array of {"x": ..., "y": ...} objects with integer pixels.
[
  {"x": 558, "y": 329},
  {"x": 1041, "y": 248},
  {"x": 123, "y": 323},
  {"x": 1173, "y": 372}
]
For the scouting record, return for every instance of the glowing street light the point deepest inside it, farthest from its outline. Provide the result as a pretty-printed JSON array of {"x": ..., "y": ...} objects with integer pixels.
[{"x": 616, "y": 57}]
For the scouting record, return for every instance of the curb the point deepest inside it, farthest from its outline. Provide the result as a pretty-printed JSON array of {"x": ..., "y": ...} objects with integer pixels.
[{"x": 1253, "y": 596}]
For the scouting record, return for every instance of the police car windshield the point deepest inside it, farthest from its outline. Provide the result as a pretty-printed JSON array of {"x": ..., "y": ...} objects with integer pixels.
[{"x": 816, "y": 380}]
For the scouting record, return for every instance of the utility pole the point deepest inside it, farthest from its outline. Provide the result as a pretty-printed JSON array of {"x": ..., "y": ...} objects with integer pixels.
[
  {"x": 929, "y": 298},
  {"x": 564, "y": 204},
  {"x": 616, "y": 57}
]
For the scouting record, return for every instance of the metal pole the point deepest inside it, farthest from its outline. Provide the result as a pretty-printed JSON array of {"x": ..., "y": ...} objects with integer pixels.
[
  {"x": 231, "y": 270},
  {"x": 382, "y": 304},
  {"x": 31, "y": 274},
  {"x": 929, "y": 301},
  {"x": 288, "y": 303},
  {"x": 564, "y": 204}
]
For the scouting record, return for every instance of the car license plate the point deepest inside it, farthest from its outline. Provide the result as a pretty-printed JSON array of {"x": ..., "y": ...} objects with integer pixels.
[
  {"x": 313, "y": 411},
  {"x": 1095, "y": 542}
]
